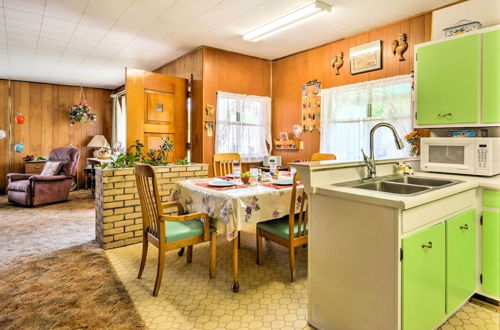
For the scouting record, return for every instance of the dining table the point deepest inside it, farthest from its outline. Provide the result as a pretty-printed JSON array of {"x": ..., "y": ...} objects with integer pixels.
[{"x": 233, "y": 208}]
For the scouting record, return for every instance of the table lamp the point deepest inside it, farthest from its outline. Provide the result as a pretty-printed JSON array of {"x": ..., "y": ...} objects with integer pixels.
[{"x": 98, "y": 142}]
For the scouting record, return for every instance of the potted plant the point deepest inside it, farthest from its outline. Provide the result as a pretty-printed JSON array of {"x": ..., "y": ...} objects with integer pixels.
[
  {"x": 245, "y": 177},
  {"x": 81, "y": 113}
]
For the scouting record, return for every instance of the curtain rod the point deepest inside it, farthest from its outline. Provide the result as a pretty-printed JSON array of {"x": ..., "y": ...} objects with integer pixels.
[{"x": 123, "y": 92}]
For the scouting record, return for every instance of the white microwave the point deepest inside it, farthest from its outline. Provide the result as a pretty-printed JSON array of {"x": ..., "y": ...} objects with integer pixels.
[{"x": 473, "y": 156}]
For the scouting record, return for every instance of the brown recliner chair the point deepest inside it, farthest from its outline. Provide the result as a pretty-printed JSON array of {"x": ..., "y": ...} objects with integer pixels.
[{"x": 33, "y": 190}]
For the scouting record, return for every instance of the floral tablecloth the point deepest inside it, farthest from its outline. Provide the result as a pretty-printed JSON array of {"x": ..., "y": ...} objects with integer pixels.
[{"x": 230, "y": 210}]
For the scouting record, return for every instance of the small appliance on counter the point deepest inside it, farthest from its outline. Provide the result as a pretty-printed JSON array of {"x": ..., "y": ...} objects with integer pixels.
[
  {"x": 272, "y": 160},
  {"x": 472, "y": 156}
]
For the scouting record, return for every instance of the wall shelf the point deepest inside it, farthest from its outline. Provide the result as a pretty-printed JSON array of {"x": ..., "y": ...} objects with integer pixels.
[{"x": 289, "y": 144}]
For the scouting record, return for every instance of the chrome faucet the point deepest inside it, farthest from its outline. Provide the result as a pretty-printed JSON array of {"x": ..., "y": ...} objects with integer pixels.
[{"x": 370, "y": 162}]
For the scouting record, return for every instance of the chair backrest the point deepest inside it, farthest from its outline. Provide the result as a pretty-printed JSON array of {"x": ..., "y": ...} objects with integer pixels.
[
  {"x": 224, "y": 163},
  {"x": 69, "y": 156},
  {"x": 149, "y": 196},
  {"x": 319, "y": 156},
  {"x": 297, "y": 200}
]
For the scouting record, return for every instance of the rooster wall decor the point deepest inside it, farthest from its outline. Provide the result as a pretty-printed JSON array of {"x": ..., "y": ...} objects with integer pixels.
[
  {"x": 400, "y": 46},
  {"x": 337, "y": 62}
]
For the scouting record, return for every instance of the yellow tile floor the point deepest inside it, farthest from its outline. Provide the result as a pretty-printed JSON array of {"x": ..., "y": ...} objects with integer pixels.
[{"x": 189, "y": 299}]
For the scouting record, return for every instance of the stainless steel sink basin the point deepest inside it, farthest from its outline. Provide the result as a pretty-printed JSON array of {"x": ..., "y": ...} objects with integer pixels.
[
  {"x": 393, "y": 188},
  {"x": 399, "y": 185},
  {"x": 422, "y": 181}
]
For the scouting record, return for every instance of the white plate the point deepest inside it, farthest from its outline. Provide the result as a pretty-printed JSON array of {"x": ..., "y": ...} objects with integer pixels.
[
  {"x": 221, "y": 183},
  {"x": 283, "y": 182}
]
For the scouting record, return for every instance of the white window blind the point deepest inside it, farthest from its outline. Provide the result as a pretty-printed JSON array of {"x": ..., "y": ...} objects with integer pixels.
[
  {"x": 243, "y": 126},
  {"x": 349, "y": 112}
]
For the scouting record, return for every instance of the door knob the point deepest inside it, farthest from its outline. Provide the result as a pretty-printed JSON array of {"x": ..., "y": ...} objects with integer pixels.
[{"x": 464, "y": 227}]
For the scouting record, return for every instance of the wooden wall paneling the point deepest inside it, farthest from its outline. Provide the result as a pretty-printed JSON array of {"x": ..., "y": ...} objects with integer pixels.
[
  {"x": 35, "y": 129},
  {"x": 4, "y": 124},
  {"x": 287, "y": 75},
  {"x": 21, "y": 132},
  {"x": 46, "y": 119},
  {"x": 45, "y": 107},
  {"x": 392, "y": 62},
  {"x": 63, "y": 118},
  {"x": 55, "y": 115},
  {"x": 342, "y": 78},
  {"x": 230, "y": 72}
]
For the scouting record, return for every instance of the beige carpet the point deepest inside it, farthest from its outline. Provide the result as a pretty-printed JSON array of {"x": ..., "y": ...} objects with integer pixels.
[
  {"x": 53, "y": 276},
  {"x": 29, "y": 232}
]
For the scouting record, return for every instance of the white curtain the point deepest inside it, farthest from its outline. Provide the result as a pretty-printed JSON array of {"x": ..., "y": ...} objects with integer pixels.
[
  {"x": 119, "y": 138},
  {"x": 243, "y": 125},
  {"x": 349, "y": 112}
]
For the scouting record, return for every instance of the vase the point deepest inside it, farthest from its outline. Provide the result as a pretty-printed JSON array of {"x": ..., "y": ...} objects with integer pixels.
[{"x": 413, "y": 150}]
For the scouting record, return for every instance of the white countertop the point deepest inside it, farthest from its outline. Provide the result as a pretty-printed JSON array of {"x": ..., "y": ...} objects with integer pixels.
[{"x": 406, "y": 202}]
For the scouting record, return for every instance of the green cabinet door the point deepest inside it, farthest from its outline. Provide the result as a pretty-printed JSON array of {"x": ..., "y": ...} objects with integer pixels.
[
  {"x": 491, "y": 77},
  {"x": 461, "y": 275},
  {"x": 491, "y": 198},
  {"x": 448, "y": 81},
  {"x": 423, "y": 279},
  {"x": 491, "y": 252}
]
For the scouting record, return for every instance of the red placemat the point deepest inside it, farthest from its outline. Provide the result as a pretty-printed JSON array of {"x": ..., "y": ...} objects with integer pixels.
[
  {"x": 205, "y": 184},
  {"x": 276, "y": 186}
]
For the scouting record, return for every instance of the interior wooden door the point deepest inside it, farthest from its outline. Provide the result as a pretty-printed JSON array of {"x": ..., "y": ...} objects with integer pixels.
[{"x": 156, "y": 108}]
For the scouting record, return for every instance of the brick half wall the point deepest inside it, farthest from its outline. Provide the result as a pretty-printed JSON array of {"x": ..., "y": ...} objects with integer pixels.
[{"x": 117, "y": 205}]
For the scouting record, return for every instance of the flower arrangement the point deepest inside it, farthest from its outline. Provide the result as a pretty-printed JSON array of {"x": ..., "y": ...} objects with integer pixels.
[
  {"x": 81, "y": 113},
  {"x": 413, "y": 139}
]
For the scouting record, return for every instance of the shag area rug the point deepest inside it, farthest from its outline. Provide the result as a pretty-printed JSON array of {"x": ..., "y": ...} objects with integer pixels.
[{"x": 53, "y": 276}]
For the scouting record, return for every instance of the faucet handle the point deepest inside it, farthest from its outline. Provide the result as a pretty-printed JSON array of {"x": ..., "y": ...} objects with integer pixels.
[{"x": 365, "y": 157}]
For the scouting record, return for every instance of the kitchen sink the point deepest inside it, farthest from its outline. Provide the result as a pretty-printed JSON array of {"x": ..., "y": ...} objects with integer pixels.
[
  {"x": 393, "y": 188},
  {"x": 422, "y": 181},
  {"x": 399, "y": 185}
]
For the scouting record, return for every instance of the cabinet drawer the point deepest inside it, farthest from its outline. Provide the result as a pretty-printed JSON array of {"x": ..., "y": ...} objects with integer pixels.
[
  {"x": 424, "y": 215},
  {"x": 33, "y": 168},
  {"x": 491, "y": 198}
]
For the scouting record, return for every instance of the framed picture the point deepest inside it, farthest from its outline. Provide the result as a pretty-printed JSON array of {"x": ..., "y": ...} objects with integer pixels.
[
  {"x": 283, "y": 136},
  {"x": 367, "y": 57}
]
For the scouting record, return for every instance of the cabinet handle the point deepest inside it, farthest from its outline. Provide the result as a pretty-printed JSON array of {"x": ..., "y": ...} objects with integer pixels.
[
  {"x": 37, "y": 167},
  {"x": 429, "y": 246},
  {"x": 441, "y": 115},
  {"x": 464, "y": 227}
]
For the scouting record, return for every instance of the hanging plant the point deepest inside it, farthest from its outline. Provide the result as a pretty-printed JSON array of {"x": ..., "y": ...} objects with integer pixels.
[{"x": 82, "y": 112}]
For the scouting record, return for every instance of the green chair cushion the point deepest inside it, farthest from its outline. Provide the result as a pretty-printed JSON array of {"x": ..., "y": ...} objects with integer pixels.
[
  {"x": 279, "y": 227},
  {"x": 177, "y": 230}
]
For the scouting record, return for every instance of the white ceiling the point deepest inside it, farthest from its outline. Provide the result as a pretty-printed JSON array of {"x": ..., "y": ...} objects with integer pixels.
[{"x": 90, "y": 42}]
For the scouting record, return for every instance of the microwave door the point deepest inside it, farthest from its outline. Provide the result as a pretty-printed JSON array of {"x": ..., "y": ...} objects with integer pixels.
[{"x": 451, "y": 158}]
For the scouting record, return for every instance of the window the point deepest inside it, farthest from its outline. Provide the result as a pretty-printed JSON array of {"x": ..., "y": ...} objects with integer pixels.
[
  {"x": 349, "y": 112},
  {"x": 119, "y": 122},
  {"x": 243, "y": 125}
]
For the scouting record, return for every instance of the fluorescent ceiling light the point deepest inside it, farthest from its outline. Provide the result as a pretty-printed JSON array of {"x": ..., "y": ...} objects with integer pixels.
[{"x": 293, "y": 18}]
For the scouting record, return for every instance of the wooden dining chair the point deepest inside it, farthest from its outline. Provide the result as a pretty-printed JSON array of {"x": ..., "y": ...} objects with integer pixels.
[
  {"x": 224, "y": 163},
  {"x": 319, "y": 156},
  {"x": 290, "y": 231},
  {"x": 169, "y": 232}
]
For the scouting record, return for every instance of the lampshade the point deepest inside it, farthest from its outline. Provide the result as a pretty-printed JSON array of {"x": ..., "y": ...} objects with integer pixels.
[{"x": 98, "y": 141}]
